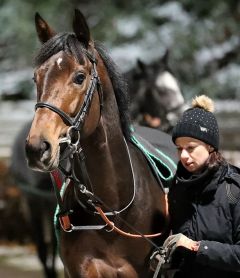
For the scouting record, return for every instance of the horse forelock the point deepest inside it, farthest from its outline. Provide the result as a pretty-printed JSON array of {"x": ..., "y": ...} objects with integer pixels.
[{"x": 66, "y": 42}]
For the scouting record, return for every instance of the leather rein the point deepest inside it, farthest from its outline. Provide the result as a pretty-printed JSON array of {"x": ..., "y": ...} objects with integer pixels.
[{"x": 74, "y": 154}]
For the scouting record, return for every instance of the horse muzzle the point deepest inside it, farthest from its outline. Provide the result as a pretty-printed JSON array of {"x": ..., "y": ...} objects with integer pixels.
[{"x": 40, "y": 155}]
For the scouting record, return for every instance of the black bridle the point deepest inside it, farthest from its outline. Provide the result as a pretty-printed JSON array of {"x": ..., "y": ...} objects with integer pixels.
[{"x": 78, "y": 121}]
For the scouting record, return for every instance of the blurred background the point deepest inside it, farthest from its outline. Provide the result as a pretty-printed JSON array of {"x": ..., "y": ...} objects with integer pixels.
[{"x": 202, "y": 40}]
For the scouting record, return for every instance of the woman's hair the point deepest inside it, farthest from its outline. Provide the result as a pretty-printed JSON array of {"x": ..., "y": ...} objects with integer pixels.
[{"x": 215, "y": 159}]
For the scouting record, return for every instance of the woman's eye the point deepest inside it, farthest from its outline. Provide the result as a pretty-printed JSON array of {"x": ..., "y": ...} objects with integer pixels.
[
  {"x": 79, "y": 78},
  {"x": 190, "y": 149}
]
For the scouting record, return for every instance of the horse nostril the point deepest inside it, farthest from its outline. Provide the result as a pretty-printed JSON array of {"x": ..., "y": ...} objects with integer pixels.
[
  {"x": 38, "y": 151},
  {"x": 45, "y": 147},
  {"x": 35, "y": 149}
]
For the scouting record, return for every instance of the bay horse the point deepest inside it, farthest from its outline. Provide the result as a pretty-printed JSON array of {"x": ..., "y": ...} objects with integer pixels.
[
  {"x": 156, "y": 97},
  {"x": 38, "y": 193},
  {"x": 110, "y": 202}
]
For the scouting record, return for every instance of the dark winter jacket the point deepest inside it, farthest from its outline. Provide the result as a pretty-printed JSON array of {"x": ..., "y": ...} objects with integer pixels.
[{"x": 200, "y": 208}]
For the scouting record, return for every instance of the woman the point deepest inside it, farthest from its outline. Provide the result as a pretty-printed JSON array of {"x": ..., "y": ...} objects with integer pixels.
[{"x": 204, "y": 204}]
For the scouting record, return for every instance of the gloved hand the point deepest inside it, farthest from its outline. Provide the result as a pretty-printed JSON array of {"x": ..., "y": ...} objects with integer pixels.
[
  {"x": 179, "y": 240},
  {"x": 157, "y": 256},
  {"x": 157, "y": 260}
]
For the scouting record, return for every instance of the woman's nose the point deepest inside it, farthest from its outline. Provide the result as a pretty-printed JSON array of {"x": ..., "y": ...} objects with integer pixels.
[{"x": 184, "y": 154}]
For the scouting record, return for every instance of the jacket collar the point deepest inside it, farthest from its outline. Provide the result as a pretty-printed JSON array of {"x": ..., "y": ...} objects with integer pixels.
[{"x": 205, "y": 182}]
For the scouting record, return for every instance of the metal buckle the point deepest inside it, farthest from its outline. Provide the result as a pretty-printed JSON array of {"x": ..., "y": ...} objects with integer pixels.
[{"x": 68, "y": 139}]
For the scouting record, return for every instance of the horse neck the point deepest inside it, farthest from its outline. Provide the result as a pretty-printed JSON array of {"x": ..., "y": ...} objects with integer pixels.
[{"x": 107, "y": 158}]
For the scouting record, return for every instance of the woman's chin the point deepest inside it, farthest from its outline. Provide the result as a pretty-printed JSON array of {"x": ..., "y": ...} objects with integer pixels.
[{"x": 190, "y": 167}]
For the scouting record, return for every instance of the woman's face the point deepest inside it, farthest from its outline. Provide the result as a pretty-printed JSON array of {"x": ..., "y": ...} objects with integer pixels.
[{"x": 193, "y": 153}]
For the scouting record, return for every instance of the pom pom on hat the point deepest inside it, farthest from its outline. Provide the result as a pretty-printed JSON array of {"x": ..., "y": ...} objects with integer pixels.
[
  {"x": 199, "y": 122},
  {"x": 203, "y": 102}
]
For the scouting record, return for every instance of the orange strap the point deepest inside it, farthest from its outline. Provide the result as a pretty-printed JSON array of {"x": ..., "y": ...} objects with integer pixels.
[
  {"x": 65, "y": 223},
  {"x": 166, "y": 202},
  {"x": 121, "y": 232}
]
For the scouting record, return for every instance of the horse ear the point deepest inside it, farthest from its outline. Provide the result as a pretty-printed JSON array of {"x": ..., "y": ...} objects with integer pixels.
[
  {"x": 141, "y": 65},
  {"x": 80, "y": 28},
  {"x": 165, "y": 58},
  {"x": 43, "y": 30}
]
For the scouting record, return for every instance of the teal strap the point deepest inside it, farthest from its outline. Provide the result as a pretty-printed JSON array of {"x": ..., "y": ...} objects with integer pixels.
[{"x": 164, "y": 160}]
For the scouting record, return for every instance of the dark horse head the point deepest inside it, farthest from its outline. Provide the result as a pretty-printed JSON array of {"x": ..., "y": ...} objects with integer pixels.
[
  {"x": 81, "y": 126},
  {"x": 156, "y": 97}
]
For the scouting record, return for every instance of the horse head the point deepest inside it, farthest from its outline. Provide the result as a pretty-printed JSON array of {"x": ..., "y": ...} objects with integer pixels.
[
  {"x": 69, "y": 93},
  {"x": 157, "y": 93}
]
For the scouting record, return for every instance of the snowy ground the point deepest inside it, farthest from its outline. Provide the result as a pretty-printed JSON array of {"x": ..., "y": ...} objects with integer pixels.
[{"x": 21, "y": 261}]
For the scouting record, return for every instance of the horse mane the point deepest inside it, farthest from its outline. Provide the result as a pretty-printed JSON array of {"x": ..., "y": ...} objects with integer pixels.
[
  {"x": 69, "y": 43},
  {"x": 120, "y": 89}
]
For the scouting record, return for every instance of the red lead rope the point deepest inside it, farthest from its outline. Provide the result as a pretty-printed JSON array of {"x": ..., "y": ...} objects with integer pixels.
[{"x": 57, "y": 178}]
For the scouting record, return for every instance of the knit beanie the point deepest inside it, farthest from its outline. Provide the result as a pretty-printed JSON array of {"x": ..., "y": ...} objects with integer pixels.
[{"x": 199, "y": 122}]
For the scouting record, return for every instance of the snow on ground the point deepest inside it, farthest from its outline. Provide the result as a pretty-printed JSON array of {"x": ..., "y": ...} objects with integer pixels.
[{"x": 22, "y": 257}]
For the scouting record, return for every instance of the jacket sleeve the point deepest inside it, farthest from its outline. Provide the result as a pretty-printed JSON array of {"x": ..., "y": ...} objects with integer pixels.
[{"x": 221, "y": 255}]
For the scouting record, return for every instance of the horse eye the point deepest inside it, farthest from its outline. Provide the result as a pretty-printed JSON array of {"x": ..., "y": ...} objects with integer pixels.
[
  {"x": 34, "y": 79},
  {"x": 79, "y": 78}
]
